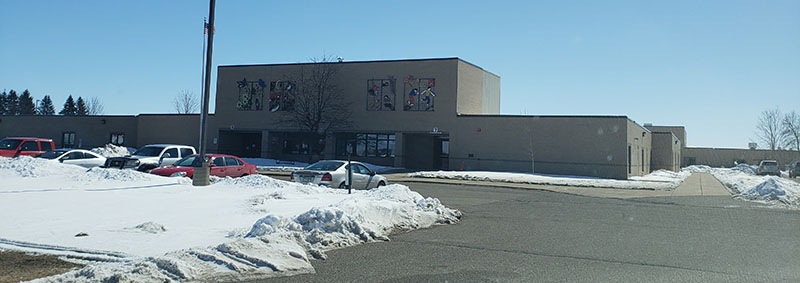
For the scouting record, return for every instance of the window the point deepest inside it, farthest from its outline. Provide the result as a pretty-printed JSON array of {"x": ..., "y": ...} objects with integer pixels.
[
  {"x": 361, "y": 169},
  {"x": 46, "y": 146},
  {"x": 68, "y": 139},
  {"x": 381, "y": 94},
  {"x": 173, "y": 152},
  {"x": 75, "y": 155},
  {"x": 186, "y": 152},
  {"x": 29, "y": 146},
  {"x": 419, "y": 93},
  {"x": 219, "y": 161},
  {"x": 230, "y": 161},
  {"x": 89, "y": 156},
  {"x": 117, "y": 138},
  {"x": 373, "y": 145}
]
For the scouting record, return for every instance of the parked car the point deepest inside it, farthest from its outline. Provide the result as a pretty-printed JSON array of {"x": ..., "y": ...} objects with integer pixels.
[
  {"x": 13, "y": 147},
  {"x": 794, "y": 171},
  {"x": 222, "y": 165},
  {"x": 151, "y": 156},
  {"x": 78, "y": 157},
  {"x": 333, "y": 173},
  {"x": 768, "y": 167}
]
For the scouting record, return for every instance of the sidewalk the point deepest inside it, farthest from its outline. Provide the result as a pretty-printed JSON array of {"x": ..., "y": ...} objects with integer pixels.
[{"x": 701, "y": 184}]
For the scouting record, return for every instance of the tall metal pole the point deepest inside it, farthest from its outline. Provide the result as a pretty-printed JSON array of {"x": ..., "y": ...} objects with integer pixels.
[
  {"x": 202, "y": 179},
  {"x": 203, "y": 73}
]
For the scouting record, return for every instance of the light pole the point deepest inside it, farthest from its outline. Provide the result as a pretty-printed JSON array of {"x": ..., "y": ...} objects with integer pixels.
[{"x": 201, "y": 170}]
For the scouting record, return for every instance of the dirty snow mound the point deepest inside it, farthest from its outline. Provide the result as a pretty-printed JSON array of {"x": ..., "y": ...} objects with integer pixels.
[
  {"x": 111, "y": 150},
  {"x": 29, "y": 167},
  {"x": 743, "y": 183},
  {"x": 150, "y": 227}
]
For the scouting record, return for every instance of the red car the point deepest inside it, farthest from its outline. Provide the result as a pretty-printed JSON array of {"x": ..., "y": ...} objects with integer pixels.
[
  {"x": 13, "y": 147},
  {"x": 222, "y": 165}
]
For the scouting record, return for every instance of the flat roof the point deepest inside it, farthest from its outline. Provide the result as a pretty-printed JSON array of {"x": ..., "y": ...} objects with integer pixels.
[{"x": 358, "y": 62}]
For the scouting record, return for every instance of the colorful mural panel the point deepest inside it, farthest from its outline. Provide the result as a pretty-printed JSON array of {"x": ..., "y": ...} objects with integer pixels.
[
  {"x": 251, "y": 95},
  {"x": 381, "y": 94},
  {"x": 281, "y": 95},
  {"x": 419, "y": 94}
]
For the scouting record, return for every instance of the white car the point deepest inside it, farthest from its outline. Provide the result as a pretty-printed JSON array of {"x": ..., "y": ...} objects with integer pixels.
[
  {"x": 151, "y": 156},
  {"x": 333, "y": 173},
  {"x": 768, "y": 167},
  {"x": 78, "y": 157}
]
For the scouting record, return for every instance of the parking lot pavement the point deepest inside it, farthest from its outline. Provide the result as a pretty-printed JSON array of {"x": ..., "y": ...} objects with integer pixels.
[{"x": 513, "y": 235}]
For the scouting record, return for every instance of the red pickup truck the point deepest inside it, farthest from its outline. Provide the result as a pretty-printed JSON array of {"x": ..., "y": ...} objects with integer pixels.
[{"x": 13, "y": 147}]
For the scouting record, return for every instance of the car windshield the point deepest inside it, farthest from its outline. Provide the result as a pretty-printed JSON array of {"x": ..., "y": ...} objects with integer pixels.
[
  {"x": 149, "y": 151},
  {"x": 188, "y": 161},
  {"x": 325, "y": 166},
  {"x": 9, "y": 144},
  {"x": 52, "y": 154},
  {"x": 770, "y": 164}
]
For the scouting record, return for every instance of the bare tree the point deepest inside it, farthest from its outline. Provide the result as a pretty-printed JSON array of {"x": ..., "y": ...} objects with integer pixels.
[
  {"x": 316, "y": 104},
  {"x": 791, "y": 129},
  {"x": 186, "y": 102},
  {"x": 770, "y": 129},
  {"x": 94, "y": 106}
]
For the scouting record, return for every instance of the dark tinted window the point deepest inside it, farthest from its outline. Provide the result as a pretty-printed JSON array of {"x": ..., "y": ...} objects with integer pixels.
[
  {"x": 219, "y": 161},
  {"x": 173, "y": 153},
  {"x": 230, "y": 161},
  {"x": 324, "y": 166},
  {"x": 75, "y": 155},
  {"x": 186, "y": 152},
  {"x": 46, "y": 145},
  {"x": 9, "y": 144},
  {"x": 89, "y": 155},
  {"x": 149, "y": 151},
  {"x": 30, "y": 146},
  {"x": 188, "y": 161},
  {"x": 52, "y": 154}
]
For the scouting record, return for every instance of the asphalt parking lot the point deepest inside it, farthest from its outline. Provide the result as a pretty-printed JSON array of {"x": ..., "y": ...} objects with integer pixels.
[{"x": 513, "y": 235}]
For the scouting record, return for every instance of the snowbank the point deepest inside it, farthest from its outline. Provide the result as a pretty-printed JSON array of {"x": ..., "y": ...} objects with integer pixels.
[
  {"x": 658, "y": 180},
  {"x": 131, "y": 226},
  {"x": 744, "y": 183},
  {"x": 111, "y": 150}
]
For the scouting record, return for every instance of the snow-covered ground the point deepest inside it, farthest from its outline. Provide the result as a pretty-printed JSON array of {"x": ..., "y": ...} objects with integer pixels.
[
  {"x": 111, "y": 150},
  {"x": 743, "y": 183},
  {"x": 658, "y": 180},
  {"x": 131, "y": 226}
]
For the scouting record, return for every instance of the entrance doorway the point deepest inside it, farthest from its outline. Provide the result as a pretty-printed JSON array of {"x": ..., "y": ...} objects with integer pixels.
[
  {"x": 426, "y": 151},
  {"x": 240, "y": 143}
]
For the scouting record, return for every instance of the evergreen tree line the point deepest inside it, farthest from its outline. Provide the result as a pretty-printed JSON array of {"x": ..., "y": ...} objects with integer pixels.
[{"x": 13, "y": 104}]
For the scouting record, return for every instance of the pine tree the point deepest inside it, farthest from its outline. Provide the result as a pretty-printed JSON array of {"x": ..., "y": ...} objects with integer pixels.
[
  {"x": 46, "y": 106},
  {"x": 26, "y": 105},
  {"x": 3, "y": 98},
  {"x": 69, "y": 107},
  {"x": 12, "y": 103},
  {"x": 81, "y": 110}
]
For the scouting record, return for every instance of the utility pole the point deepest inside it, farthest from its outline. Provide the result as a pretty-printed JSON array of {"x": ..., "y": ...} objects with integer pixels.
[{"x": 202, "y": 172}]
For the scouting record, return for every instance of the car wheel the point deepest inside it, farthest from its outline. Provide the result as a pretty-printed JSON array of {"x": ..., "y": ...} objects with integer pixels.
[
  {"x": 381, "y": 184},
  {"x": 342, "y": 186}
]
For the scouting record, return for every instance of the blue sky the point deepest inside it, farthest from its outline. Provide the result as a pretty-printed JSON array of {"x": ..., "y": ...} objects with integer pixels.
[{"x": 711, "y": 66}]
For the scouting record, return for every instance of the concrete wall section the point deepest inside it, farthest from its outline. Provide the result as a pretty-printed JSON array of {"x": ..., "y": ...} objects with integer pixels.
[
  {"x": 491, "y": 93},
  {"x": 666, "y": 150},
  {"x": 90, "y": 131},
  {"x": 725, "y": 157},
  {"x": 678, "y": 131},
  {"x": 639, "y": 141},
  {"x": 570, "y": 145},
  {"x": 170, "y": 128}
]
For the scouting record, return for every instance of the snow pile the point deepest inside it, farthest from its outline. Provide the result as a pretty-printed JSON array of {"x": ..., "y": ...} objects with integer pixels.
[
  {"x": 29, "y": 167},
  {"x": 111, "y": 150},
  {"x": 659, "y": 180},
  {"x": 267, "y": 164},
  {"x": 138, "y": 227},
  {"x": 744, "y": 183}
]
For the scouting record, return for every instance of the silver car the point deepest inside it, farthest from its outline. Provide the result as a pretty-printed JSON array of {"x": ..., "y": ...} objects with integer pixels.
[
  {"x": 333, "y": 173},
  {"x": 78, "y": 157},
  {"x": 768, "y": 167}
]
